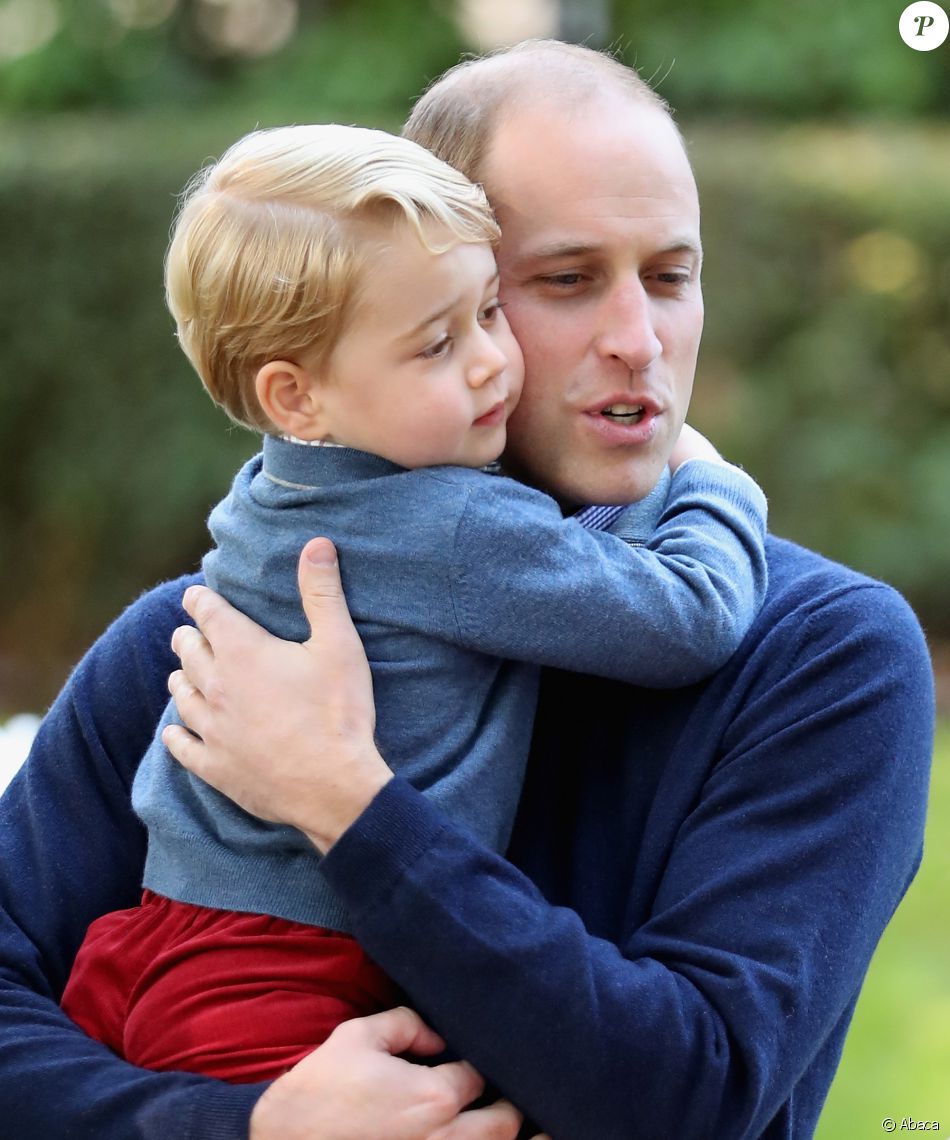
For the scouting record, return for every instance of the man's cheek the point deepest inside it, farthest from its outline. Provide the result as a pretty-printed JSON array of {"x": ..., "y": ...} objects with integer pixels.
[{"x": 525, "y": 316}]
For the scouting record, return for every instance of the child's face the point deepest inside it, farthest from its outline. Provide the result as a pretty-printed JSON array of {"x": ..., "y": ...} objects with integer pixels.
[{"x": 427, "y": 371}]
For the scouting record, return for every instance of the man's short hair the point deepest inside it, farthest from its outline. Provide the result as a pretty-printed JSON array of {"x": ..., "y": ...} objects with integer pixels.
[
  {"x": 266, "y": 257},
  {"x": 457, "y": 115}
]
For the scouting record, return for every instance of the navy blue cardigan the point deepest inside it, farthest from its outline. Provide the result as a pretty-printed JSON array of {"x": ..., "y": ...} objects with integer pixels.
[{"x": 704, "y": 874}]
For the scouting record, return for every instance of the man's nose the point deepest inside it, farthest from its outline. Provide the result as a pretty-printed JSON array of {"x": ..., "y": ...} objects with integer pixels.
[
  {"x": 627, "y": 331},
  {"x": 487, "y": 362}
]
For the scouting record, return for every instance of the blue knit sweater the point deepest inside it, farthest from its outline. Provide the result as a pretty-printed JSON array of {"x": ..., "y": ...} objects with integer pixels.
[
  {"x": 700, "y": 878},
  {"x": 461, "y": 584}
]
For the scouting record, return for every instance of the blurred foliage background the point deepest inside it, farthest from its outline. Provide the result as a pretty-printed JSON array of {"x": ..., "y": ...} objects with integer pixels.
[{"x": 822, "y": 152}]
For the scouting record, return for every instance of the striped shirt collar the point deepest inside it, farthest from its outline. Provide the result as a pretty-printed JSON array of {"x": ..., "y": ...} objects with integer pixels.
[
  {"x": 597, "y": 517},
  {"x": 634, "y": 522}
]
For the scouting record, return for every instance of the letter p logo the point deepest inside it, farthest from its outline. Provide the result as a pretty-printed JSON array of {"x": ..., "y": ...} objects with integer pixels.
[{"x": 923, "y": 26}]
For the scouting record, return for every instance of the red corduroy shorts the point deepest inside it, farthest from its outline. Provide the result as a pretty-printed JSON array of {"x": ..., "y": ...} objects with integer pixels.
[{"x": 241, "y": 997}]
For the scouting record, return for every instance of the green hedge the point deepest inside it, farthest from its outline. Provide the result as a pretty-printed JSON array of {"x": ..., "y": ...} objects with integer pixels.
[
  {"x": 807, "y": 58},
  {"x": 825, "y": 364},
  {"x": 826, "y": 361}
]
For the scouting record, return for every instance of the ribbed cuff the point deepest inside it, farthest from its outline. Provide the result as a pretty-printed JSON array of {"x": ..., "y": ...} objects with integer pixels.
[
  {"x": 207, "y": 1110},
  {"x": 368, "y": 860}
]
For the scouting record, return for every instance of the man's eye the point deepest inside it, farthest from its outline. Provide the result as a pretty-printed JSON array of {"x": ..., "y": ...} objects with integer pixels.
[
  {"x": 674, "y": 277},
  {"x": 562, "y": 280},
  {"x": 439, "y": 349}
]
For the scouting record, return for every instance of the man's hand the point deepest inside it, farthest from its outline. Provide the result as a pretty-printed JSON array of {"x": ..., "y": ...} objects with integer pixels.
[
  {"x": 284, "y": 730},
  {"x": 355, "y": 1087}
]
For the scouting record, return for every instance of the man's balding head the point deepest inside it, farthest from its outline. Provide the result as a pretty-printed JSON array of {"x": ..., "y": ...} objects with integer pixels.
[{"x": 457, "y": 116}]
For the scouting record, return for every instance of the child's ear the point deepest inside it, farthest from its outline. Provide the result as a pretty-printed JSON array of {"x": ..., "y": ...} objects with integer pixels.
[{"x": 291, "y": 398}]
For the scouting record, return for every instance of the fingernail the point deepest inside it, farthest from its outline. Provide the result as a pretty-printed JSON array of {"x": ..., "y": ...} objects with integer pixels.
[{"x": 321, "y": 552}]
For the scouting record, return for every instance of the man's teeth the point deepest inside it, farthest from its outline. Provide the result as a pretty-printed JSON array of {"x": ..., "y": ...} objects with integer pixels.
[{"x": 624, "y": 413}]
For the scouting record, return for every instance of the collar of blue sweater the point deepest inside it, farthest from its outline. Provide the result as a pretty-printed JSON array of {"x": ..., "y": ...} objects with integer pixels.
[{"x": 286, "y": 462}]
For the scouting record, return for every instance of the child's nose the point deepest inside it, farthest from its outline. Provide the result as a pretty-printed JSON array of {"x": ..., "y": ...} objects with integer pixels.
[{"x": 488, "y": 362}]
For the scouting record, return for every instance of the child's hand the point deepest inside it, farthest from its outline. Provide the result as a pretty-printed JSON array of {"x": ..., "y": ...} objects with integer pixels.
[{"x": 692, "y": 445}]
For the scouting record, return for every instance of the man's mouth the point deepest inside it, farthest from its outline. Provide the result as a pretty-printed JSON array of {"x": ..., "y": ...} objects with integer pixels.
[{"x": 628, "y": 414}]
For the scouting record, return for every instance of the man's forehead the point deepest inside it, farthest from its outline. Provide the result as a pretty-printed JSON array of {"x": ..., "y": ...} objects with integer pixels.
[
  {"x": 591, "y": 184},
  {"x": 554, "y": 248},
  {"x": 609, "y": 152}
]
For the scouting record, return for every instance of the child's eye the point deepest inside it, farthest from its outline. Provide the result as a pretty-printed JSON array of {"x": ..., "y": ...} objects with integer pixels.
[
  {"x": 490, "y": 312},
  {"x": 437, "y": 350}
]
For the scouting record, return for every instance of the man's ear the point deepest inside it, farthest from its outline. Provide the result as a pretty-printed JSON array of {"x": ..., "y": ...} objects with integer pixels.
[{"x": 291, "y": 398}]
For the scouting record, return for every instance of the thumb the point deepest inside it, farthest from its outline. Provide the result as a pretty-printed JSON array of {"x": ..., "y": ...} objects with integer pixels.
[
  {"x": 334, "y": 641},
  {"x": 402, "y": 1030},
  {"x": 332, "y": 632},
  {"x": 321, "y": 591}
]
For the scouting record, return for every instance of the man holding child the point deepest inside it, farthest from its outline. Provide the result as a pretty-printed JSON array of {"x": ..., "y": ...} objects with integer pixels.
[{"x": 697, "y": 877}]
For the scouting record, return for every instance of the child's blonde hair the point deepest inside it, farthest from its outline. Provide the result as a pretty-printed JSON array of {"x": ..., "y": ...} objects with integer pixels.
[{"x": 262, "y": 264}]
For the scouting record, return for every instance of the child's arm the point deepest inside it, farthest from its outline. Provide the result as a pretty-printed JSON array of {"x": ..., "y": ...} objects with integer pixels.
[{"x": 530, "y": 585}]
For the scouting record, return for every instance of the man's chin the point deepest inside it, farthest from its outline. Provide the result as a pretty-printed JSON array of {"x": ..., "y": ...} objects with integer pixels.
[
  {"x": 622, "y": 489},
  {"x": 592, "y": 494},
  {"x": 590, "y": 484}
]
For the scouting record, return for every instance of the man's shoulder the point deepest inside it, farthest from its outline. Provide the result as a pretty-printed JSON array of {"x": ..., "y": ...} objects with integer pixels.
[
  {"x": 161, "y": 603},
  {"x": 811, "y": 593},
  {"x": 146, "y": 624},
  {"x": 797, "y": 572},
  {"x": 121, "y": 682}
]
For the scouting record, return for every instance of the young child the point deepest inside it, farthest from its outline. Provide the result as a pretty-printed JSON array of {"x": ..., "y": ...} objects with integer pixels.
[{"x": 336, "y": 289}]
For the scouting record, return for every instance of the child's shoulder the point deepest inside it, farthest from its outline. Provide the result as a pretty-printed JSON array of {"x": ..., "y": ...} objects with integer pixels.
[
  {"x": 483, "y": 496},
  {"x": 487, "y": 484}
]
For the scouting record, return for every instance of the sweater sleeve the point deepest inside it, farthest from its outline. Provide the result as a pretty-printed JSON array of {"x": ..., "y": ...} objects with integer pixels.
[
  {"x": 770, "y": 901},
  {"x": 70, "y": 850},
  {"x": 532, "y": 586}
]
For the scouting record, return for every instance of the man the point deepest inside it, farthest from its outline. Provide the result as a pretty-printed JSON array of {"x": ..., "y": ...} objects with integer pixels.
[{"x": 679, "y": 940}]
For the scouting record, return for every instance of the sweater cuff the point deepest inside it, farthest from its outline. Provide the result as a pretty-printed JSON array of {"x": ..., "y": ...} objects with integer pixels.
[
  {"x": 212, "y": 1111},
  {"x": 371, "y": 856}
]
